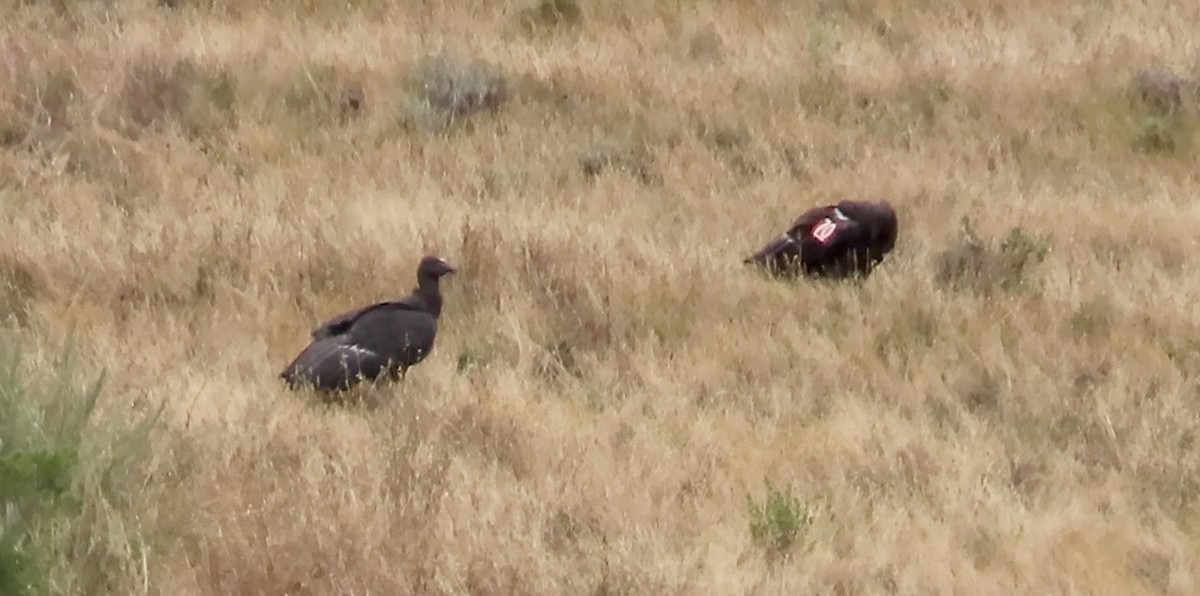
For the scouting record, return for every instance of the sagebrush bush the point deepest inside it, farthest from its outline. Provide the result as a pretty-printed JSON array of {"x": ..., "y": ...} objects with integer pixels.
[
  {"x": 1159, "y": 90},
  {"x": 443, "y": 91}
]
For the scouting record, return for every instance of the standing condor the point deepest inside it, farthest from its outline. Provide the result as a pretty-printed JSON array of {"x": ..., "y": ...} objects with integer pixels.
[{"x": 383, "y": 340}]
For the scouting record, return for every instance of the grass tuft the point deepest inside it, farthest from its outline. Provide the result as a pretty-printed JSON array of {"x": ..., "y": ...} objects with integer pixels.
[
  {"x": 161, "y": 92},
  {"x": 19, "y": 288},
  {"x": 707, "y": 45},
  {"x": 321, "y": 95},
  {"x": 601, "y": 157},
  {"x": 35, "y": 97}
]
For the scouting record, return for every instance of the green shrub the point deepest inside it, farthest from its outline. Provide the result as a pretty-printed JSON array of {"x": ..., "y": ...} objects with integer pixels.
[{"x": 62, "y": 478}]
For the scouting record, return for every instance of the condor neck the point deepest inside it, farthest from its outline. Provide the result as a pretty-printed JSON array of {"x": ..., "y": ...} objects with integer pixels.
[{"x": 429, "y": 292}]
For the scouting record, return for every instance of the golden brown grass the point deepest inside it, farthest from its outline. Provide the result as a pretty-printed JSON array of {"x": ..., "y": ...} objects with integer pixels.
[{"x": 184, "y": 187}]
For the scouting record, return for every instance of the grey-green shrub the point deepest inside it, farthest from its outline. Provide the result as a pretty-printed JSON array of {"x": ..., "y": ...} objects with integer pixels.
[{"x": 443, "y": 91}]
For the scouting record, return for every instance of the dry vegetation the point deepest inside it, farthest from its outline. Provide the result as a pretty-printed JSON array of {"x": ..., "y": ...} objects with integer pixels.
[{"x": 615, "y": 405}]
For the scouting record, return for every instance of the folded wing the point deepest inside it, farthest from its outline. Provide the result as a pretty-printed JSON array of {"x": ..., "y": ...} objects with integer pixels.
[
  {"x": 400, "y": 334},
  {"x": 342, "y": 323},
  {"x": 842, "y": 251},
  {"x": 333, "y": 363}
]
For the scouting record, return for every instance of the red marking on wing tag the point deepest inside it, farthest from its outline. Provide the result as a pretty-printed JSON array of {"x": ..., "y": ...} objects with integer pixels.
[{"x": 823, "y": 231}]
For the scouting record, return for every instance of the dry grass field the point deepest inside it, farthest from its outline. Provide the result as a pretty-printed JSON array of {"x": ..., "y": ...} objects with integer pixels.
[{"x": 615, "y": 405}]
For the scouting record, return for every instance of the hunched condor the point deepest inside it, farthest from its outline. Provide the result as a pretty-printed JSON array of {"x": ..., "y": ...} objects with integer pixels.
[
  {"x": 834, "y": 241},
  {"x": 382, "y": 340}
]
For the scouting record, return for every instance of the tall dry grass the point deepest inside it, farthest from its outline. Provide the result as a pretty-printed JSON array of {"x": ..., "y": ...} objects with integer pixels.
[{"x": 193, "y": 186}]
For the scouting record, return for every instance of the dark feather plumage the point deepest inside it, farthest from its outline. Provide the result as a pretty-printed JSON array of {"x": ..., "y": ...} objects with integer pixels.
[
  {"x": 841, "y": 240},
  {"x": 378, "y": 341}
]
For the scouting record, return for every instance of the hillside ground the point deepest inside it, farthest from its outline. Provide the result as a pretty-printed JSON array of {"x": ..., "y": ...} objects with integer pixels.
[{"x": 615, "y": 404}]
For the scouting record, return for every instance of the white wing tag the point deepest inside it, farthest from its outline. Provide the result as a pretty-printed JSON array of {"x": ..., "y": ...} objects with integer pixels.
[{"x": 823, "y": 231}]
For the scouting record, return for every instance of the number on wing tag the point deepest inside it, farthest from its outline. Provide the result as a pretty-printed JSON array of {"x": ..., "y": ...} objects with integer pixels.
[{"x": 823, "y": 231}]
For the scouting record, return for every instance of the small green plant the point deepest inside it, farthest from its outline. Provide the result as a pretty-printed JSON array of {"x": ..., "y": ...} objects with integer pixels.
[
  {"x": 780, "y": 520},
  {"x": 721, "y": 135},
  {"x": 1093, "y": 317},
  {"x": 819, "y": 38},
  {"x": 974, "y": 262},
  {"x": 1160, "y": 134},
  {"x": 601, "y": 157},
  {"x": 1023, "y": 250},
  {"x": 550, "y": 14},
  {"x": 470, "y": 359}
]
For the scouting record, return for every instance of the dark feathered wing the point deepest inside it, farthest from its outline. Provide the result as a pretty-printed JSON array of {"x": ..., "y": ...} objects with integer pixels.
[
  {"x": 847, "y": 234},
  {"x": 780, "y": 255},
  {"x": 776, "y": 246},
  {"x": 339, "y": 324},
  {"x": 333, "y": 363},
  {"x": 403, "y": 334},
  {"x": 343, "y": 322},
  {"x": 783, "y": 253}
]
